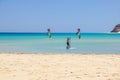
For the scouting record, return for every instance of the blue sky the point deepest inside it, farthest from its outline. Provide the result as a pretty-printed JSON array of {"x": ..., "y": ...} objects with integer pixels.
[{"x": 59, "y": 15}]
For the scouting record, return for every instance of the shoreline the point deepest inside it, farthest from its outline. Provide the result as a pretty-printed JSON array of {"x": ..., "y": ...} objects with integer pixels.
[
  {"x": 24, "y": 66},
  {"x": 54, "y": 53}
]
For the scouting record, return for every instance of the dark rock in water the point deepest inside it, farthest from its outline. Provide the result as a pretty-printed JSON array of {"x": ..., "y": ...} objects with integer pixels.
[{"x": 116, "y": 28}]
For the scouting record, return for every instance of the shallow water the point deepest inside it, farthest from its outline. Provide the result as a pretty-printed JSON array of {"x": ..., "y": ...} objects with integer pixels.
[{"x": 98, "y": 43}]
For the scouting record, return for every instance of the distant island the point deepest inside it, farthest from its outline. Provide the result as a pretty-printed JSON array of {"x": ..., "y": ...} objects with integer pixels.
[{"x": 116, "y": 29}]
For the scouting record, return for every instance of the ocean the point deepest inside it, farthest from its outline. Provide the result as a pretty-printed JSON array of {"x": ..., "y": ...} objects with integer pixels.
[{"x": 90, "y": 43}]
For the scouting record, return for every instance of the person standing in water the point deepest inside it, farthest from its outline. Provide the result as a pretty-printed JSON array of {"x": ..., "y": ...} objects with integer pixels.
[
  {"x": 49, "y": 33},
  {"x": 78, "y": 33},
  {"x": 68, "y": 43}
]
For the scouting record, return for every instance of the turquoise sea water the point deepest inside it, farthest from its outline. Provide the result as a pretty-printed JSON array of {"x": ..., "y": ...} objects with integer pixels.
[{"x": 98, "y": 43}]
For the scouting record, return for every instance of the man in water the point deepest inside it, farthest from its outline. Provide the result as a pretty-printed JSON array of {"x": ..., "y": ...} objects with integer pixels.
[{"x": 68, "y": 43}]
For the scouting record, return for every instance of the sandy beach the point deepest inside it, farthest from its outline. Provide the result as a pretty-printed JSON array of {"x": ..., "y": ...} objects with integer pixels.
[{"x": 59, "y": 66}]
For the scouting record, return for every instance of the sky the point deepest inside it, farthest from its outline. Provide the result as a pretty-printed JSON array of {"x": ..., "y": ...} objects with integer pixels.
[{"x": 95, "y": 16}]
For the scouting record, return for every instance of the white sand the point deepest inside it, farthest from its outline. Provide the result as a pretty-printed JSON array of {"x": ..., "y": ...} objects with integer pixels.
[{"x": 59, "y": 67}]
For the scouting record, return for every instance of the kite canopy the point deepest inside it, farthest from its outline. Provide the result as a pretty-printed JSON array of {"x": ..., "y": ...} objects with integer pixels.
[
  {"x": 48, "y": 29},
  {"x": 78, "y": 29}
]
